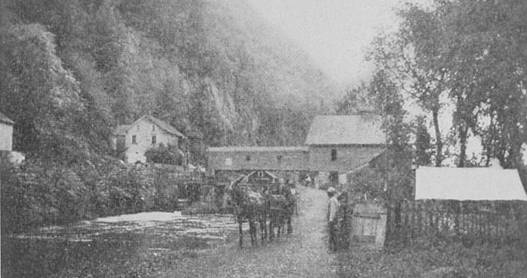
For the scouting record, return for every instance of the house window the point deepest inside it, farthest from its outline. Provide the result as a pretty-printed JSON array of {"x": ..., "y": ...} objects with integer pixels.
[
  {"x": 279, "y": 158},
  {"x": 153, "y": 127},
  {"x": 333, "y": 154},
  {"x": 248, "y": 158},
  {"x": 134, "y": 139},
  {"x": 154, "y": 140}
]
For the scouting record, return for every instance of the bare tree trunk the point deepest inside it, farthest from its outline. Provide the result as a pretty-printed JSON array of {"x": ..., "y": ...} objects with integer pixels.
[
  {"x": 517, "y": 161},
  {"x": 463, "y": 131},
  {"x": 439, "y": 141}
]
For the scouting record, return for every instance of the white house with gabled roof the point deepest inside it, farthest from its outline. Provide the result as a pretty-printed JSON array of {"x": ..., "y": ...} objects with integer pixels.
[{"x": 145, "y": 133}]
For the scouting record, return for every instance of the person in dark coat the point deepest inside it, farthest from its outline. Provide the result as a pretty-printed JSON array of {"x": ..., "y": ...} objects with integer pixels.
[{"x": 333, "y": 208}]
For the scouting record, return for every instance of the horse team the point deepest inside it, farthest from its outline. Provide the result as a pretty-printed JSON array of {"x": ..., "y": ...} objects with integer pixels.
[{"x": 268, "y": 206}]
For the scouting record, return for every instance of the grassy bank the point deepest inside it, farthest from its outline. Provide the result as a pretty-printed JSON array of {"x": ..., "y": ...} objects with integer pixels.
[{"x": 435, "y": 259}]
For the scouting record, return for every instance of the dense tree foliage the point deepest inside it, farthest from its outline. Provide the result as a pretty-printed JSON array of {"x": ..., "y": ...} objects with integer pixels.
[
  {"x": 466, "y": 55},
  {"x": 470, "y": 54}
]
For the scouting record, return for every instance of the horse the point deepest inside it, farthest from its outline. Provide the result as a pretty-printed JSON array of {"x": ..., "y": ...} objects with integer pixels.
[
  {"x": 277, "y": 214},
  {"x": 251, "y": 206},
  {"x": 281, "y": 206}
]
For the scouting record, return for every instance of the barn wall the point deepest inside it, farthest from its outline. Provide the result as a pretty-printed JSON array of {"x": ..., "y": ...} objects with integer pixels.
[
  {"x": 348, "y": 157},
  {"x": 316, "y": 158},
  {"x": 258, "y": 160}
]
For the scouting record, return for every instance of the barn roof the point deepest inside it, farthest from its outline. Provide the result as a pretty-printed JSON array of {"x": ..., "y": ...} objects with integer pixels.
[
  {"x": 4, "y": 119},
  {"x": 364, "y": 129},
  {"x": 257, "y": 149},
  {"x": 468, "y": 184}
]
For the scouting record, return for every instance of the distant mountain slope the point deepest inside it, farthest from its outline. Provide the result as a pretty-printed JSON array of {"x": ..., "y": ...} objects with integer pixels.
[{"x": 284, "y": 66}]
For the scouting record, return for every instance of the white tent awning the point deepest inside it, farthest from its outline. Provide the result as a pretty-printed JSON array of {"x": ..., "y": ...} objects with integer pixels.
[{"x": 468, "y": 184}]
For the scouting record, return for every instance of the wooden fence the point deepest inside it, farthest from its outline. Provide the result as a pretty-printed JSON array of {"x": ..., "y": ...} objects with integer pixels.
[{"x": 474, "y": 221}]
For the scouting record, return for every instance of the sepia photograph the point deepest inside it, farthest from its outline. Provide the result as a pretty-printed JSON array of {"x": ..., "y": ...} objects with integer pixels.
[{"x": 263, "y": 138}]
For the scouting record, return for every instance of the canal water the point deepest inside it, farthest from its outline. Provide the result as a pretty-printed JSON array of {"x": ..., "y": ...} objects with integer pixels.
[{"x": 131, "y": 245}]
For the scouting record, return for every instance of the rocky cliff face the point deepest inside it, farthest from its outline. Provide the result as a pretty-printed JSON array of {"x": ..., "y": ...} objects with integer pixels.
[{"x": 272, "y": 86}]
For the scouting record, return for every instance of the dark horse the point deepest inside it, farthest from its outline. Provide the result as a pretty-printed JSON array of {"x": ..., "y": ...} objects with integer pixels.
[
  {"x": 250, "y": 206},
  {"x": 281, "y": 202}
]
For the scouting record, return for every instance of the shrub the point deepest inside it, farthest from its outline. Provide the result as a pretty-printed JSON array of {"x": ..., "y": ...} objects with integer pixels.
[
  {"x": 164, "y": 155},
  {"x": 40, "y": 193}
]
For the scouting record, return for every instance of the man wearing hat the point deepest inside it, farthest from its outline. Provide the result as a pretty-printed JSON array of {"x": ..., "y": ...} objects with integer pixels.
[{"x": 333, "y": 207}]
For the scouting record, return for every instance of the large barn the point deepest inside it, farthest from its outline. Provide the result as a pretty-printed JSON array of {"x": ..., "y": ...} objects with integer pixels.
[{"x": 334, "y": 145}]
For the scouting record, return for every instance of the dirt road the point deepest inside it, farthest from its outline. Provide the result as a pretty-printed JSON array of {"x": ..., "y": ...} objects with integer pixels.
[{"x": 301, "y": 254}]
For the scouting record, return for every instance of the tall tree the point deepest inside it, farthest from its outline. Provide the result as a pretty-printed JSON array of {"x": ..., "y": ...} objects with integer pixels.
[
  {"x": 387, "y": 98},
  {"x": 356, "y": 99},
  {"x": 487, "y": 40},
  {"x": 413, "y": 56}
]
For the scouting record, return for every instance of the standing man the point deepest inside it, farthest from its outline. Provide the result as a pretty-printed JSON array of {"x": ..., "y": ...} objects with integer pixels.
[{"x": 333, "y": 208}]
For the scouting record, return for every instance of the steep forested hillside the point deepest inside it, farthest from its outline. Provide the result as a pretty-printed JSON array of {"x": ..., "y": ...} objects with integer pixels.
[
  {"x": 71, "y": 70},
  {"x": 209, "y": 66}
]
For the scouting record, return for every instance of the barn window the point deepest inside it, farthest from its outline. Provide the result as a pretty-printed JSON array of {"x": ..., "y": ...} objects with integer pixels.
[
  {"x": 134, "y": 139},
  {"x": 154, "y": 140},
  {"x": 333, "y": 154},
  {"x": 279, "y": 158},
  {"x": 248, "y": 158}
]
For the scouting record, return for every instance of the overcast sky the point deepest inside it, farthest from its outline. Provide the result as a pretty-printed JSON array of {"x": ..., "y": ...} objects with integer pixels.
[{"x": 335, "y": 33}]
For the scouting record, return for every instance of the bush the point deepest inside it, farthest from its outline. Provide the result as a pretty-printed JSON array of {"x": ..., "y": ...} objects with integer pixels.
[
  {"x": 40, "y": 193},
  {"x": 164, "y": 155}
]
